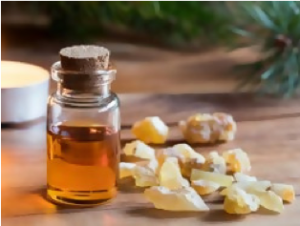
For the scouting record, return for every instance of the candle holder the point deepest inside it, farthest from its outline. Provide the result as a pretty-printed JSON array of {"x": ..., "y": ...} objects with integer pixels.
[{"x": 24, "y": 92}]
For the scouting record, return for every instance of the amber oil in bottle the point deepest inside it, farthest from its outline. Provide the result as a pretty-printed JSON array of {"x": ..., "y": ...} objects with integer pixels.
[{"x": 82, "y": 163}]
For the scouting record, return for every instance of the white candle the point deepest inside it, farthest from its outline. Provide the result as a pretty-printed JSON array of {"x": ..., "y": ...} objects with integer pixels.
[
  {"x": 17, "y": 74},
  {"x": 24, "y": 91}
]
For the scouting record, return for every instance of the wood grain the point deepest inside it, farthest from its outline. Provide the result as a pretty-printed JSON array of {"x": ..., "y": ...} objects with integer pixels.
[{"x": 268, "y": 130}]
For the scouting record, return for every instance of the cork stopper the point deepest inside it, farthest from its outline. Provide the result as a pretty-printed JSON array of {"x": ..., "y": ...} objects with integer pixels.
[
  {"x": 81, "y": 65},
  {"x": 84, "y": 58}
]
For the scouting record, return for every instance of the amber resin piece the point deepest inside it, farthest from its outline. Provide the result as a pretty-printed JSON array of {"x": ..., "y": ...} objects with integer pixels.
[
  {"x": 170, "y": 175},
  {"x": 185, "y": 199},
  {"x": 187, "y": 167},
  {"x": 254, "y": 186},
  {"x": 205, "y": 187},
  {"x": 188, "y": 152},
  {"x": 145, "y": 173},
  {"x": 270, "y": 201},
  {"x": 183, "y": 152},
  {"x": 240, "y": 177},
  {"x": 238, "y": 201},
  {"x": 198, "y": 129},
  {"x": 237, "y": 160},
  {"x": 187, "y": 157},
  {"x": 227, "y": 124},
  {"x": 144, "y": 177},
  {"x": 249, "y": 186},
  {"x": 126, "y": 169},
  {"x": 221, "y": 179},
  {"x": 285, "y": 191},
  {"x": 140, "y": 150},
  {"x": 208, "y": 128},
  {"x": 151, "y": 130},
  {"x": 215, "y": 163}
]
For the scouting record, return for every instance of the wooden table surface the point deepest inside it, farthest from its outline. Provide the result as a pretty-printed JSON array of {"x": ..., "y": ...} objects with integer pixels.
[
  {"x": 269, "y": 130},
  {"x": 184, "y": 72}
]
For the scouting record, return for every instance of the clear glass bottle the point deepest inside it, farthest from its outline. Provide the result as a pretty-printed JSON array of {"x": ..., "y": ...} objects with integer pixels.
[{"x": 83, "y": 142}]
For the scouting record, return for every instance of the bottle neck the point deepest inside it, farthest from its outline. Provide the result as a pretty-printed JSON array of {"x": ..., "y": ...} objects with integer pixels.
[
  {"x": 100, "y": 91},
  {"x": 82, "y": 86}
]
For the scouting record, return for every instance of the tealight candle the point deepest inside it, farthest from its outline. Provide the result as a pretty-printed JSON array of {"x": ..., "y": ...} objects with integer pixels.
[{"x": 24, "y": 92}]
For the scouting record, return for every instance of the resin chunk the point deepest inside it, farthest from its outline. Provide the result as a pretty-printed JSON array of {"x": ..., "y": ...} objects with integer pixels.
[
  {"x": 151, "y": 130},
  {"x": 237, "y": 160},
  {"x": 185, "y": 199},
  {"x": 146, "y": 175},
  {"x": 240, "y": 177},
  {"x": 139, "y": 149},
  {"x": 215, "y": 163},
  {"x": 205, "y": 187},
  {"x": 188, "y": 152},
  {"x": 270, "y": 201},
  {"x": 221, "y": 179},
  {"x": 285, "y": 191},
  {"x": 208, "y": 128},
  {"x": 249, "y": 186},
  {"x": 126, "y": 169},
  {"x": 170, "y": 175},
  {"x": 238, "y": 201}
]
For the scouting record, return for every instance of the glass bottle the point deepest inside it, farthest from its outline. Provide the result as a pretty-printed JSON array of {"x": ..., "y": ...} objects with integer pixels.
[{"x": 83, "y": 142}]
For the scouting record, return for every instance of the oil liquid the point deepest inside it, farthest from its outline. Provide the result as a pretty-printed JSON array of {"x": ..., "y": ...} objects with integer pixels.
[{"x": 82, "y": 164}]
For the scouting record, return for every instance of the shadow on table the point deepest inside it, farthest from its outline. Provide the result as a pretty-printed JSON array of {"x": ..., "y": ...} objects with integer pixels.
[
  {"x": 217, "y": 215},
  {"x": 17, "y": 202},
  {"x": 159, "y": 214}
]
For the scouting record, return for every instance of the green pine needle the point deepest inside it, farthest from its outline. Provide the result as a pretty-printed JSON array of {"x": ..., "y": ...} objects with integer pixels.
[{"x": 275, "y": 27}]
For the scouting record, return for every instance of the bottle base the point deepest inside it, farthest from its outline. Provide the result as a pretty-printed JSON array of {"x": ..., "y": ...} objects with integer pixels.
[{"x": 80, "y": 198}]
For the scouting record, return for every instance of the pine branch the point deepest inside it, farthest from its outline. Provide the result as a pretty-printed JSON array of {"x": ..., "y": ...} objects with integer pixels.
[{"x": 275, "y": 27}]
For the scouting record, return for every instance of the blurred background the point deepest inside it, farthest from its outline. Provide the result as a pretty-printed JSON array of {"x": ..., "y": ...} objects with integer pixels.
[{"x": 183, "y": 44}]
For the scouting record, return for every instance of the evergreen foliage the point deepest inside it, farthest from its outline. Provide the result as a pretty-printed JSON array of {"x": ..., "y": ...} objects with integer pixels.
[
  {"x": 275, "y": 28},
  {"x": 172, "y": 23}
]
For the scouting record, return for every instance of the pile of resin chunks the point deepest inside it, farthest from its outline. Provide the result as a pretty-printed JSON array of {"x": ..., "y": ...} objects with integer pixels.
[{"x": 177, "y": 178}]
